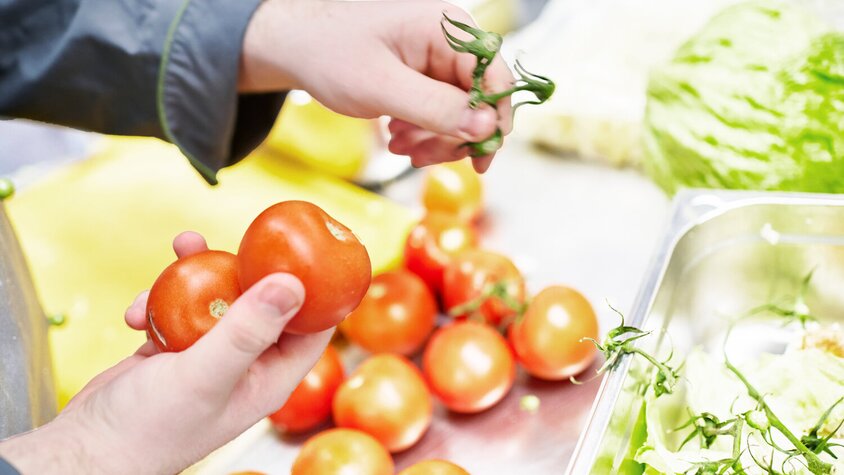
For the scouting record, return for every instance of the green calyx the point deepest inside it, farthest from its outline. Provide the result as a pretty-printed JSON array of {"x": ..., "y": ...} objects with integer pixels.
[{"x": 484, "y": 46}]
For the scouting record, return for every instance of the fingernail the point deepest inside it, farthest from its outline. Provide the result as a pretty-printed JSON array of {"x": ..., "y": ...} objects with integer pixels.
[
  {"x": 473, "y": 124},
  {"x": 282, "y": 291}
]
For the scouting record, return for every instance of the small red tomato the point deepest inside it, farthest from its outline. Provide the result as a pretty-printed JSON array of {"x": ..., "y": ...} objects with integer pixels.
[
  {"x": 310, "y": 403},
  {"x": 396, "y": 315},
  {"x": 385, "y": 397},
  {"x": 547, "y": 339},
  {"x": 434, "y": 467},
  {"x": 342, "y": 451},
  {"x": 453, "y": 188},
  {"x": 299, "y": 238},
  {"x": 483, "y": 283},
  {"x": 432, "y": 244},
  {"x": 469, "y": 366},
  {"x": 189, "y": 297}
]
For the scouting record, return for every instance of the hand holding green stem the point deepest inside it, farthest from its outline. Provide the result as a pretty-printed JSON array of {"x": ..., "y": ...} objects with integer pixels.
[{"x": 484, "y": 46}]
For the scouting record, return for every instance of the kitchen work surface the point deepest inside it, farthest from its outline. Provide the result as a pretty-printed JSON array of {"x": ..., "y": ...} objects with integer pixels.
[{"x": 587, "y": 226}]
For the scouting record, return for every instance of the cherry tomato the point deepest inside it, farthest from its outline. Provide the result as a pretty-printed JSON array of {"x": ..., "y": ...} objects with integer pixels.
[
  {"x": 453, "y": 188},
  {"x": 342, "y": 451},
  {"x": 310, "y": 403},
  {"x": 434, "y": 467},
  {"x": 485, "y": 278},
  {"x": 385, "y": 397},
  {"x": 547, "y": 339},
  {"x": 189, "y": 297},
  {"x": 396, "y": 315},
  {"x": 300, "y": 238},
  {"x": 469, "y": 366},
  {"x": 432, "y": 244}
]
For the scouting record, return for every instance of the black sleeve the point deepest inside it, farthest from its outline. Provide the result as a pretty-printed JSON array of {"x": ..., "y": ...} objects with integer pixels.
[
  {"x": 159, "y": 68},
  {"x": 7, "y": 469}
]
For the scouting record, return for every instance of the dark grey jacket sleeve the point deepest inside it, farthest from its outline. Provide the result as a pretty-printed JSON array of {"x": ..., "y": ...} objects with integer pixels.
[{"x": 160, "y": 68}]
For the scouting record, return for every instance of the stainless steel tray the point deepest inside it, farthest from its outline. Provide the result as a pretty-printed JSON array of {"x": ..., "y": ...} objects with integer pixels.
[{"x": 724, "y": 252}]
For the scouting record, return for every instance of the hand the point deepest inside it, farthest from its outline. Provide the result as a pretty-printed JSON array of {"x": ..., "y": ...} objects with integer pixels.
[
  {"x": 374, "y": 58},
  {"x": 161, "y": 412}
]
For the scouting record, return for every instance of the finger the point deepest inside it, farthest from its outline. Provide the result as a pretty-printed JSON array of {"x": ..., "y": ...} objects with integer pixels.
[
  {"x": 189, "y": 243},
  {"x": 283, "y": 366},
  {"x": 398, "y": 126},
  {"x": 499, "y": 78},
  {"x": 404, "y": 142},
  {"x": 253, "y": 323},
  {"x": 147, "y": 349},
  {"x": 435, "y": 106},
  {"x": 481, "y": 164},
  {"x": 437, "y": 149},
  {"x": 135, "y": 315}
]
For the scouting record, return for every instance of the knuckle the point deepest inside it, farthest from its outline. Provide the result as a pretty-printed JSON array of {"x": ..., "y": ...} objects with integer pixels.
[{"x": 247, "y": 338}]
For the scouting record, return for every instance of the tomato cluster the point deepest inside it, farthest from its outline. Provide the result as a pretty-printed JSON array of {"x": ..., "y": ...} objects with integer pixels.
[
  {"x": 194, "y": 292},
  {"x": 489, "y": 324},
  {"x": 468, "y": 364}
]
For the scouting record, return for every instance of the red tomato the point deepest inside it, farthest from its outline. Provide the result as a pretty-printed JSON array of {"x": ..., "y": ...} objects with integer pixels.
[
  {"x": 547, "y": 337},
  {"x": 300, "y": 238},
  {"x": 432, "y": 244},
  {"x": 385, "y": 397},
  {"x": 310, "y": 403},
  {"x": 341, "y": 451},
  {"x": 470, "y": 278},
  {"x": 469, "y": 366},
  {"x": 434, "y": 467},
  {"x": 396, "y": 315},
  {"x": 189, "y": 297},
  {"x": 453, "y": 188}
]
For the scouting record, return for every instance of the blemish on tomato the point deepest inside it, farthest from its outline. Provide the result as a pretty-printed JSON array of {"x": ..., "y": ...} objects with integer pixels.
[
  {"x": 339, "y": 233},
  {"x": 158, "y": 334}
]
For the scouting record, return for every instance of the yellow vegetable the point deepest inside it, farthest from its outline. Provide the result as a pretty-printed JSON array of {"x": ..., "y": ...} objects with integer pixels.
[
  {"x": 309, "y": 133},
  {"x": 99, "y": 232}
]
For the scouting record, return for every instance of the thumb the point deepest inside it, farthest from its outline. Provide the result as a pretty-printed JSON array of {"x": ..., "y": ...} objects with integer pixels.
[
  {"x": 252, "y": 324},
  {"x": 436, "y": 106}
]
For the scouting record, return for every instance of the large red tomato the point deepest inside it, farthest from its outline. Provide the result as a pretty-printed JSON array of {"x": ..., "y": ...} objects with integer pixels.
[
  {"x": 396, "y": 315},
  {"x": 469, "y": 366},
  {"x": 385, "y": 397},
  {"x": 189, "y": 297},
  {"x": 453, "y": 188},
  {"x": 341, "y": 451},
  {"x": 547, "y": 339},
  {"x": 299, "y": 238},
  {"x": 483, "y": 283},
  {"x": 434, "y": 467},
  {"x": 310, "y": 403},
  {"x": 432, "y": 244}
]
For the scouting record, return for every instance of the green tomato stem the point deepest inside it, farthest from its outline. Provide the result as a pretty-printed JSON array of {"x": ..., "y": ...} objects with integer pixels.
[{"x": 816, "y": 465}]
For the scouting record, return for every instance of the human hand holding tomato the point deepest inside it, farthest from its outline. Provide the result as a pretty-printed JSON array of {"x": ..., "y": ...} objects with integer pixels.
[{"x": 175, "y": 408}]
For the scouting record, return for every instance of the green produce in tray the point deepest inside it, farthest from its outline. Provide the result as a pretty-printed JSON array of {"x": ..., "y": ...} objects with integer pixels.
[
  {"x": 774, "y": 414},
  {"x": 753, "y": 101}
]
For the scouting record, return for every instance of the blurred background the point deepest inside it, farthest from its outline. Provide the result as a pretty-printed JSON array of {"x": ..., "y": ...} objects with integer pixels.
[{"x": 652, "y": 96}]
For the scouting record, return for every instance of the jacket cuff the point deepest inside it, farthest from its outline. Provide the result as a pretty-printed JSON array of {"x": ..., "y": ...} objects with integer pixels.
[{"x": 199, "y": 108}]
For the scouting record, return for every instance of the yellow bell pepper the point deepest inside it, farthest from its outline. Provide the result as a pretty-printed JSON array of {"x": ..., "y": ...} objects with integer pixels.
[
  {"x": 98, "y": 232},
  {"x": 307, "y": 132}
]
